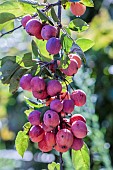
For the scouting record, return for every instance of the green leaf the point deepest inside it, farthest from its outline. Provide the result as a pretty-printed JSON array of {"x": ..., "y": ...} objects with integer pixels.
[
  {"x": 53, "y": 14},
  {"x": 54, "y": 166},
  {"x": 88, "y": 3},
  {"x": 7, "y": 26},
  {"x": 28, "y": 111},
  {"x": 32, "y": 2},
  {"x": 81, "y": 159},
  {"x": 27, "y": 60},
  {"x": 36, "y": 50},
  {"x": 33, "y": 104},
  {"x": 66, "y": 43},
  {"x": 6, "y": 16},
  {"x": 4, "y": 59},
  {"x": 21, "y": 142},
  {"x": 65, "y": 61},
  {"x": 27, "y": 127},
  {"x": 84, "y": 44},
  {"x": 78, "y": 25}
]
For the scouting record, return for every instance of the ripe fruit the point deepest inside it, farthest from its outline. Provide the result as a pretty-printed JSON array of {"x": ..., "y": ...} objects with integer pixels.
[
  {"x": 77, "y": 144},
  {"x": 38, "y": 84},
  {"x": 54, "y": 87},
  {"x": 71, "y": 69},
  {"x": 76, "y": 117},
  {"x": 51, "y": 118},
  {"x": 54, "y": 66},
  {"x": 48, "y": 32},
  {"x": 79, "y": 129},
  {"x": 50, "y": 139},
  {"x": 53, "y": 45},
  {"x": 36, "y": 133},
  {"x": 56, "y": 105},
  {"x": 77, "y": 58},
  {"x": 34, "y": 117},
  {"x": 25, "y": 82},
  {"x": 25, "y": 19},
  {"x": 60, "y": 148},
  {"x": 42, "y": 145},
  {"x": 64, "y": 137},
  {"x": 46, "y": 128},
  {"x": 40, "y": 95},
  {"x": 68, "y": 106},
  {"x": 77, "y": 8},
  {"x": 79, "y": 97},
  {"x": 33, "y": 27},
  {"x": 64, "y": 95}
]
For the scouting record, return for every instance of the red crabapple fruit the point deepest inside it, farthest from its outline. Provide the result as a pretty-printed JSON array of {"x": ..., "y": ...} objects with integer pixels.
[
  {"x": 34, "y": 117},
  {"x": 68, "y": 106},
  {"x": 79, "y": 97},
  {"x": 60, "y": 148},
  {"x": 77, "y": 58},
  {"x": 50, "y": 139},
  {"x": 71, "y": 69},
  {"x": 64, "y": 137},
  {"x": 77, "y": 8},
  {"x": 51, "y": 118},
  {"x": 47, "y": 128},
  {"x": 53, "y": 45},
  {"x": 25, "y": 19},
  {"x": 25, "y": 82},
  {"x": 48, "y": 32},
  {"x": 42, "y": 145},
  {"x": 79, "y": 129},
  {"x": 40, "y": 95},
  {"x": 76, "y": 117},
  {"x": 56, "y": 105},
  {"x": 38, "y": 84},
  {"x": 54, "y": 87},
  {"x": 77, "y": 144},
  {"x": 36, "y": 133}
]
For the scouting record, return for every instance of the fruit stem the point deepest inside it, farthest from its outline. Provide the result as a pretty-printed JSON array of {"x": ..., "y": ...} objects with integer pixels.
[{"x": 61, "y": 162}]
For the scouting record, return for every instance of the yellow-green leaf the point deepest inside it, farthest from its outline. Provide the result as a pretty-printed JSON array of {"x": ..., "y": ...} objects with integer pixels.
[{"x": 84, "y": 44}]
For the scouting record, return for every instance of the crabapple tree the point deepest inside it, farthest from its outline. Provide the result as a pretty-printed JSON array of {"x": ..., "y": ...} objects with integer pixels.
[{"x": 47, "y": 73}]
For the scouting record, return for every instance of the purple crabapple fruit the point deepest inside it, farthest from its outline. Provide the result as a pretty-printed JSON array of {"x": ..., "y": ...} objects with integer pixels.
[
  {"x": 48, "y": 32},
  {"x": 25, "y": 82},
  {"x": 34, "y": 117},
  {"x": 77, "y": 58},
  {"x": 56, "y": 105},
  {"x": 33, "y": 27},
  {"x": 77, "y": 144},
  {"x": 36, "y": 133},
  {"x": 40, "y": 95},
  {"x": 64, "y": 137},
  {"x": 61, "y": 148},
  {"x": 68, "y": 106},
  {"x": 54, "y": 87},
  {"x": 42, "y": 145},
  {"x": 46, "y": 128},
  {"x": 79, "y": 129},
  {"x": 76, "y": 117},
  {"x": 71, "y": 69},
  {"x": 79, "y": 97},
  {"x": 51, "y": 118},
  {"x": 38, "y": 84},
  {"x": 50, "y": 139},
  {"x": 53, "y": 45},
  {"x": 25, "y": 19}
]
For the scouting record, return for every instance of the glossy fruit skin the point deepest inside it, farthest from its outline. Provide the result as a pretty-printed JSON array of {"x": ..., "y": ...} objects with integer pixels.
[
  {"x": 56, "y": 105},
  {"x": 51, "y": 118},
  {"x": 40, "y": 95},
  {"x": 42, "y": 145},
  {"x": 48, "y": 32},
  {"x": 25, "y": 19},
  {"x": 79, "y": 97},
  {"x": 36, "y": 133},
  {"x": 33, "y": 27},
  {"x": 79, "y": 129},
  {"x": 53, "y": 45},
  {"x": 68, "y": 106},
  {"x": 54, "y": 87},
  {"x": 38, "y": 84},
  {"x": 34, "y": 117},
  {"x": 50, "y": 139},
  {"x": 25, "y": 82},
  {"x": 77, "y": 58},
  {"x": 76, "y": 117},
  {"x": 77, "y": 144},
  {"x": 64, "y": 137},
  {"x": 60, "y": 148},
  {"x": 71, "y": 69},
  {"x": 77, "y": 8},
  {"x": 46, "y": 128}
]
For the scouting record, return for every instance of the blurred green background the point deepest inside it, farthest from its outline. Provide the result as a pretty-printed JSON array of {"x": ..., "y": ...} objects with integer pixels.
[{"x": 95, "y": 78}]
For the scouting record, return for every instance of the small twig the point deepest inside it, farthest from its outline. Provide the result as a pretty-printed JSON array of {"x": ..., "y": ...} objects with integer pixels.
[
  {"x": 70, "y": 85},
  {"x": 61, "y": 162}
]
